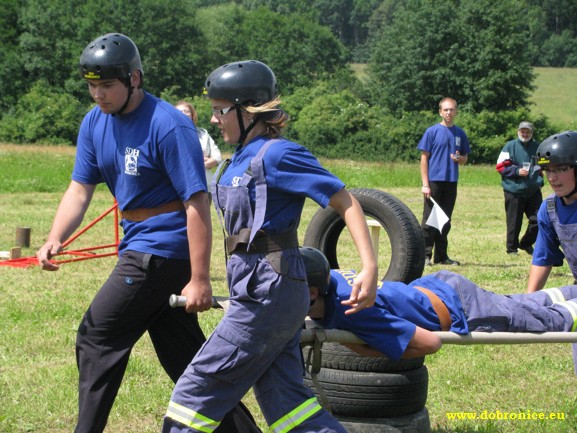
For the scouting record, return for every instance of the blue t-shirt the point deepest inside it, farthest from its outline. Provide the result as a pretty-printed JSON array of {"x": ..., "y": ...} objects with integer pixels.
[
  {"x": 146, "y": 159},
  {"x": 440, "y": 142},
  {"x": 547, "y": 250},
  {"x": 292, "y": 174},
  {"x": 390, "y": 324}
]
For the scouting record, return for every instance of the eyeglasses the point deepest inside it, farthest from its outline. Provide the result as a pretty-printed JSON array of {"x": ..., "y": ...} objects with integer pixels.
[
  {"x": 221, "y": 112},
  {"x": 557, "y": 170}
]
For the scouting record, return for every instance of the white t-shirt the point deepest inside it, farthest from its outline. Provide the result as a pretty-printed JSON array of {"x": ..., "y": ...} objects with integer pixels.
[{"x": 209, "y": 149}]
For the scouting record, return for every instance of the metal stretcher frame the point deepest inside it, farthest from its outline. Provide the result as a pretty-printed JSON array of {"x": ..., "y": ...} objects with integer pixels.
[{"x": 309, "y": 336}]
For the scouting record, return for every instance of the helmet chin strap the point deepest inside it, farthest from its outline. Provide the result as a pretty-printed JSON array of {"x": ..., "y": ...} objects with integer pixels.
[
  {"x": 574, "y": 189},
  {"x": 243, "y": 131},
  {"x": 130, "y": 90}
]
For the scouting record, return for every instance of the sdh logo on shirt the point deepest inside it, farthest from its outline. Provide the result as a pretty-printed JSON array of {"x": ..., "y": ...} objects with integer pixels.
[
  {"x": 350, "y": 276},
  {"x": 131, "y": 161}
]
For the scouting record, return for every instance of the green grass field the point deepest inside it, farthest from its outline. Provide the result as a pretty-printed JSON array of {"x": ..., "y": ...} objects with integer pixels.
[
  {"x": 555, "y": 94},
  {"x": 40, "y": 311}
]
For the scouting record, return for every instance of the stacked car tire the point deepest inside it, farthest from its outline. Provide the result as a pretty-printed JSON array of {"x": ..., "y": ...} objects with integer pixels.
[
  {"x": 387, "y": 395},
  {"x": 373, "y": 394}
]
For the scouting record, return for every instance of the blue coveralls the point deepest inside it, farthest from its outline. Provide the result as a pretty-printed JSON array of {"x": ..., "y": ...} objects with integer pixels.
[
  {"x": 553, "y": 310},
  {"x": 257, "y": 343},
  {"x": 391, "y": 323},
  {"x": 566, "y": 234}
]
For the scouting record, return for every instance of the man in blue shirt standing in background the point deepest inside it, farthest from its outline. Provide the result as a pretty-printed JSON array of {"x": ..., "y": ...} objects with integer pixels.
[{"x": 444, "y": 147}]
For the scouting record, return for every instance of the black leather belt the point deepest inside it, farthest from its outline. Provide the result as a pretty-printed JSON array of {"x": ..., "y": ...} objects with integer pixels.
[{"x": 262, "y": 242}]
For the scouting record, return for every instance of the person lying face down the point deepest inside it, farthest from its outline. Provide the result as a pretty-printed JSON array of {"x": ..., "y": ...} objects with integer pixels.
[{"x": 401, "y": 322}]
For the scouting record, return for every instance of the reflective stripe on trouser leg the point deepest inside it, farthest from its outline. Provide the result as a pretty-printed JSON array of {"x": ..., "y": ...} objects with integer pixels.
[
  {"x": 570, "y": 306},
  {"x": 554, "y": 294},
  {"x": 191, "y": 418},
  {"x": 297, "y": 416}
]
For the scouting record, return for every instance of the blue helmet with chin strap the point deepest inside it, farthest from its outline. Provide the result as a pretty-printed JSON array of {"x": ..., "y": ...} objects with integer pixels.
[
  {"x": 248, "y": 82},
  {"x": 317, "y": 268},
  {"x": 110, "y": 56},
  {"x": 559, "y": 149},
  {"x": 244, "y": 82}
]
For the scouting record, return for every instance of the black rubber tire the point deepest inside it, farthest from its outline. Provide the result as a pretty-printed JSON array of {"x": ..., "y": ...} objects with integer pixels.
[
  {"x": 417, "y": 422},
  {"x": 339, "y": 357},
  {"x": 373, "y": 394},
  {"x": 404, "y": 232}
]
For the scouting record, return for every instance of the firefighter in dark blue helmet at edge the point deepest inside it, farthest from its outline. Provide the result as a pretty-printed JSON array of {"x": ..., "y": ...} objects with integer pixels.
[
  {"x": 140, "y": 146},
  {"x": 259, "y": 195},
  {"x": 557, "y": 216}
]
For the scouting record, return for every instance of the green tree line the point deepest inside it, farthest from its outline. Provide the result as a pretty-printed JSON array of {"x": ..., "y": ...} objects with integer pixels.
[{"x": 480, "y": 52}]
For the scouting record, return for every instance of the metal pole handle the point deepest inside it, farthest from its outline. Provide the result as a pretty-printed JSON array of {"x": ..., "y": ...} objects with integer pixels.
[
  {"x": 177, "y": 301},
  {"x": 180, "y": 301}
]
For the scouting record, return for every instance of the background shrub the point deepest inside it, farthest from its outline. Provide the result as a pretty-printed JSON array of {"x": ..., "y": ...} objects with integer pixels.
[{"x": 43, "y": 116}]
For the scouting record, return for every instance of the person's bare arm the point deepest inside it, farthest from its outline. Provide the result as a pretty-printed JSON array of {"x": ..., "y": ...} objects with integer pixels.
[
  {"x": 364, "y": 350},
  {"x": 537, "y": 277},
  {"x": 198, "y": 291},
  {"x": 426, "y": 188},
  {"x": 210, "y": 163},
  {"x": 364, "y": 289},
  {"x": 422, "y": 343},
  {"x": 68, "y": 217}
]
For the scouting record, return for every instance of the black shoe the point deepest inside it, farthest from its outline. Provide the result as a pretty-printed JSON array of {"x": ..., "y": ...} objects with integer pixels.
[
  {"x": 428, "y": 262},
  {"x": 512, "y": 253},
  {"x": 449, "y": 262},
  {"x": 528, "y": 249}
]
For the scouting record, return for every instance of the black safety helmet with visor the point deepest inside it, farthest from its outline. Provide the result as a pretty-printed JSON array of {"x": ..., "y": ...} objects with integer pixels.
[
  {"x": 247, "y": 82},
  {"x": 317, "y": 269},
  {"x": 110, "y": 56},
  {"x": 559, "y": 149}
]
